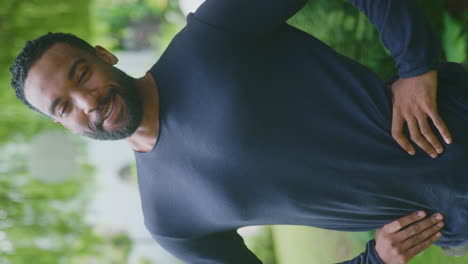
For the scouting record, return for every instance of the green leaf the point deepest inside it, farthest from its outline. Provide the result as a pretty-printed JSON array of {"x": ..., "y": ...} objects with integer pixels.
[{"x": 454, "y": 40}]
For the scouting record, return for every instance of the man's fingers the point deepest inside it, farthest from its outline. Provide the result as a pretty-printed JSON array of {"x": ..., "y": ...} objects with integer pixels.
[
  {"x": 425, "y": 234},
  {"x": 404, "y": 221},
  {"x": 413, "y": 251},
  {"x": 418, "y": 138},
  {"x": 394, "y": 245},
  {"x": 399, "y": 136},
  {"x": 420, "y": 226},
  {"x": 429, "y": 135},
  {"x": 440, "y": 124}
]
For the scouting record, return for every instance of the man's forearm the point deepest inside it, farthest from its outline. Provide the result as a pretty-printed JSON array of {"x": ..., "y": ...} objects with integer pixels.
[
  {"x": 405, "y": 33},
  {"x": 367, "y": 257}
]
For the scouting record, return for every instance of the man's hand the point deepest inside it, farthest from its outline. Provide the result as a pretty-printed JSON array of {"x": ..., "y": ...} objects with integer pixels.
[
  {"x": 399, "y": 241},
  {"x": 414, "y": 101}
]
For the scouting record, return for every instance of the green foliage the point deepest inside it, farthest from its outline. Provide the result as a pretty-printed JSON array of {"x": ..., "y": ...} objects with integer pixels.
[
  {"x": 435, "y": 255},
  {"x": 123, "y": 243},
  {"x": 294, "y": 244},
  {"x": 348, "y": 31},
  {"x": 117, "y": 22},
  {"x": 362, "y": 237},
  {"x": 21, "y": 21},
  {"x": 43, "y": 223},
  {"x": 261, "y": 244},
  {"x": 165, "y": 34},
  {"x": 454, "y": 39}
]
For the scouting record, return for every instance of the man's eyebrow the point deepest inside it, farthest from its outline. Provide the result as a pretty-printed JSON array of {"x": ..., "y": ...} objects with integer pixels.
[
  {"x": 72, "y": 70},
  {"x": 53, "y": 105}
]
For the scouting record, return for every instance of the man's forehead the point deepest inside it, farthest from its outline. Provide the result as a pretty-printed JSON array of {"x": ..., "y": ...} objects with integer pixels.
[
  {"x": 55, "y": 58},
  {"x": 48, "y": 75}
]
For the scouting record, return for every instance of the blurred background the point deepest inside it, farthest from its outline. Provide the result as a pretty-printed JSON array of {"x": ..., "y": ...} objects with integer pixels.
[{"x": 66, "y": 199}]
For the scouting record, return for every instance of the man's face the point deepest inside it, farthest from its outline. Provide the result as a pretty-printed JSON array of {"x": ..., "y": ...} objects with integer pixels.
[{"x": 84, "y": 92}]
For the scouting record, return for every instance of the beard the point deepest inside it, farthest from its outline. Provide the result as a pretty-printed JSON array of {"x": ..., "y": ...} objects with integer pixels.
[{"x": 128, "y": 91}]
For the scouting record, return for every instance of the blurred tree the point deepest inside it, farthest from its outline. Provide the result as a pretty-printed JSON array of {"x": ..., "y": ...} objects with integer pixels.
[
  {"x": 136, "y": 24},
  {"x": 347, "y": 30},
  {"x": 44, "y": 223},
  {"x": 454, "y": 39},
  {"x": 21, "y": 21}
]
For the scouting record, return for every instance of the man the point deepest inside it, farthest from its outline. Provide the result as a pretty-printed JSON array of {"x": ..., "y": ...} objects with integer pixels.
[{"x": 245, "y": 120}]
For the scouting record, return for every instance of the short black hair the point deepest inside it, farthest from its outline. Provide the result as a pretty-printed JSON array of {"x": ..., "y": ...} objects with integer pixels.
[{"x": 32, "y": 51}]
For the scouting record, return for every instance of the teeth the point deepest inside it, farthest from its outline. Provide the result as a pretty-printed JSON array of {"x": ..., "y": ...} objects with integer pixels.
[{"x": 109, "y": 110}]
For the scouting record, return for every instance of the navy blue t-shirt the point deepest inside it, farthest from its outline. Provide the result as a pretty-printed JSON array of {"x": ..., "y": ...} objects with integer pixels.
[{"x": 263, "y": 124}]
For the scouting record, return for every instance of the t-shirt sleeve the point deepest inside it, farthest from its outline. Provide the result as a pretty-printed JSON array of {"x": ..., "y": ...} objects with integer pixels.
[
  {"x": 367, "y": 257},
  {"x": 405, "y": 32},
  {"x": 248, "y": 16},
  {"x": 402, "y": 25},
  {"x": 219, "y": 248}
]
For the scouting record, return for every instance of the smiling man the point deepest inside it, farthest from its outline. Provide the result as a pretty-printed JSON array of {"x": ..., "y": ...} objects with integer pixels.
[
  {"x": 245, "y": 120},
  {"x": 94, "y": 98}
]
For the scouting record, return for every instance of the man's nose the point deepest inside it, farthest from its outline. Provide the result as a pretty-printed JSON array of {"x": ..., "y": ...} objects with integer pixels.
[{"x": 87, "y": 101}]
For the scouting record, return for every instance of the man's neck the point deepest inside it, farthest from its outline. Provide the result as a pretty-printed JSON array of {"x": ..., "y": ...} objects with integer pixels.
[{"x": 144, "y": 138}]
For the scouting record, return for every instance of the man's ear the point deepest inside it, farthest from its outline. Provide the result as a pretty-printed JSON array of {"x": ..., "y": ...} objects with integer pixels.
[{"x": 105, "y": 55}]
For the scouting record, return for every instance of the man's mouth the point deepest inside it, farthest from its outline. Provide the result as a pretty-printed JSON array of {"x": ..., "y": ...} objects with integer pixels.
[{"x": 108, "y": 110}]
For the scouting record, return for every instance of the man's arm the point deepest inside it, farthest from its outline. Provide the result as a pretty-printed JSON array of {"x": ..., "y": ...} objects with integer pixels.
[
  {"x": 401, "y": 24},
  {"x": 220, "y": 248},
  {"x": 404, "y": 32},
  {"x": 414, "y": 46},
  {"x": 395, "y": 243},
  {"x": 248, "y": 16},
  {"x": 399, "y": 241}
]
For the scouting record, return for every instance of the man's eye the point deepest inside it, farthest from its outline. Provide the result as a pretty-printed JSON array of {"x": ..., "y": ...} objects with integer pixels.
[
  {"x": 83, "y": 74},
  {"x": 63, "y": 109}
]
